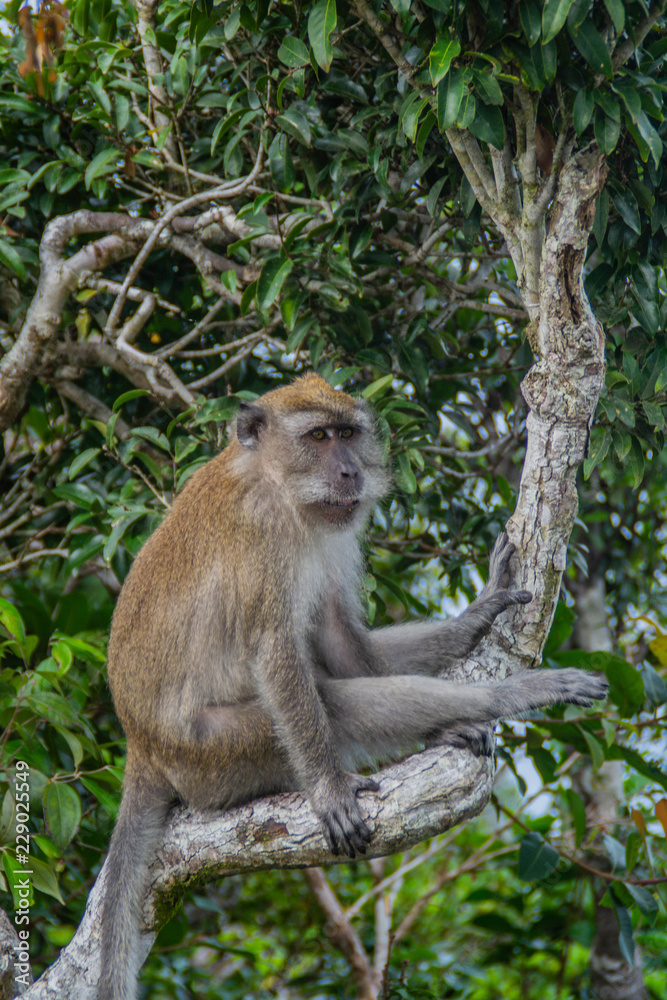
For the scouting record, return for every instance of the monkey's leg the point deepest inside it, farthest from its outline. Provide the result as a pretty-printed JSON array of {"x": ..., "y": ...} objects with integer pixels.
[
  {"x": 227, "y": 755},
  {"x": 231, "y": 754},
  {"x": 433, "y": 647},
  {"x": 380, "y": 715}
]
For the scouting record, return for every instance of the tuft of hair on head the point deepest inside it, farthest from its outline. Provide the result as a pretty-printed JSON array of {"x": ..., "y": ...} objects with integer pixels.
[{"x": 308, "y": 392}]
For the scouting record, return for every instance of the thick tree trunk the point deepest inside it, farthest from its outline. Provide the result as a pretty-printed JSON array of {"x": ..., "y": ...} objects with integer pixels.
[{"x": 561, "y": 390}]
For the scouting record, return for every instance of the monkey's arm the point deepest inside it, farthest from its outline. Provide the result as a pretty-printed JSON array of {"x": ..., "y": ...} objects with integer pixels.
[
  {"x": 286, "y": 684},
  {"x": 433, "y": 647}
]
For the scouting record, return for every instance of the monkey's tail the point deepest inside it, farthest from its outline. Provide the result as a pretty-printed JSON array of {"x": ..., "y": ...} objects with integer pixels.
[{"x": 136, "y": 837}]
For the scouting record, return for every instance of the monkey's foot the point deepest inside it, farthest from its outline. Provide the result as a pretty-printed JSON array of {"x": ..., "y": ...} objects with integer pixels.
[
  {"x": 334, "y": 799},
  {"x": 579, "y": 687},
  {"x": 475, "y": 736}
]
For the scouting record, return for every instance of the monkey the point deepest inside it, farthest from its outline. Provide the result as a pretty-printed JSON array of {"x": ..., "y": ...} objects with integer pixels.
[{"x": 239, "y": 661}]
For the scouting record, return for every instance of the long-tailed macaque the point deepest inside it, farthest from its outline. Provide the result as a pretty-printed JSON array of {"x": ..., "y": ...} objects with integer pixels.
[{"x": 239, "y": 661}]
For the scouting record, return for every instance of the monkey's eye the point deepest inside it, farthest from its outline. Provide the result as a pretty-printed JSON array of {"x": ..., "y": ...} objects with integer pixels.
[
  {"x": 318, "y": 434},
  {"x": 346, "y": 432}
]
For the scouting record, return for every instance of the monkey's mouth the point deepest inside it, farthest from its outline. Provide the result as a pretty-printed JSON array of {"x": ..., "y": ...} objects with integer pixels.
[
  {"x": 340, "y": 510},
  {"x": 342, "y": 504}
]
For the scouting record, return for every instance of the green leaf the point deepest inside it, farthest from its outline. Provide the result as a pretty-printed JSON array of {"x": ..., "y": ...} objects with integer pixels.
[
  {"x": 654, "y": 414},
  {"x": 616, "y": 11},
  {"x": 488, "y": 88},
  {"x": 12, "y": 621},
  {"x": 293, "y": 52},
  {"x": 106, "y": 799},
  {"x": 488, "y": 125},
  {"x": 84, "y": 650},
  {"x": 440, "y": 57},
  {"x": 595, "y": 749},
  {"x": 544, "y": 59},
  {"x": 583, "y": 110},
  {"x": 321, "y": 22},
  {"x": 637, "y": 463},
  {"x": 11, "y": 259},
  {"x": 626, "y": 941},
  {"x": 537, "y": 859},
  {"x": 117, "y": 534},
  {"x": 646, "y": 901},
  {"x": 626, "y": 687},
  {"x": 449, "y": 97},
  {"x": 62, "y": 811},
  {"x": 531, "y": 21},
  {"x": 578, "y": 810},
  {"x": 299, "y": 333},
  {"x": 81, "y": 461},
  {"x": 55, "y": 709},
  {"x": 42, "y": 877},
  {"x": 403, "y": 474},
  {"x": 74, "y": 744},
  {"x": 615, "y": 852},
  {"x": 468, "y": 107},
  {"x": 378, "y": 386},
  {"x": 578, "y": 13},
  {"x": 598, "y": 452},
  {"x": 104, "y": 163},
  {"x": 127, "y": 396},
  {"x": 601, "y": 216},
  {"x": 154, "y": 436},
  {"x": 591, "y": 44},
  {"x": 360, "y": 237},
  {"x": 228, "y": 279},
  {"x": 122, "y": 112},
  {"x": 271, "y": 280},
  {"x": 654, "y": 685},
  {"x": 545, "y": 763},
  {"x": 296, "y": 125},
  {"x": 409, "y": 118},
  {"x": 650, "y": 137},
  {"x": 632, "y": 101},
  {"x": 553, "y": 18},
  {"x": 606, "y": 131},
  {"x": 628, "y": 209}
]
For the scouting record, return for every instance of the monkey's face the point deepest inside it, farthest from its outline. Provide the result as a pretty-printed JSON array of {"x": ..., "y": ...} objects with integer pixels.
[
  {"x": 337, "y": 476},
  {"x": 333, "y": 470},
  {"x": 319, "y": 449}
]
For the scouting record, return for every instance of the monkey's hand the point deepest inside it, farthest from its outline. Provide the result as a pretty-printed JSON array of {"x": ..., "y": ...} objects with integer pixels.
[
  {"x": 334, "y": 799},
  {"x": 498, "y": 587}
]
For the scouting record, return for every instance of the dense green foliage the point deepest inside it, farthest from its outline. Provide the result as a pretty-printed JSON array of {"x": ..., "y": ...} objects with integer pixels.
[{"x": 358, "y": 250}]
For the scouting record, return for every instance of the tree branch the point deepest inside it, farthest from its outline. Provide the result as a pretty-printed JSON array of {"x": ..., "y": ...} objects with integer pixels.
[
  {"x": 624, "y": 51},
  {"x": 418, "y": 798},
  {"x": 226, "y": 190},
  {"x": 340, "y": 931}
]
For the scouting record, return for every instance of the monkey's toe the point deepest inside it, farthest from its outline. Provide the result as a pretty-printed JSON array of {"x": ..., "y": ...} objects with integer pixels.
[{"x": 345, "y": 835}]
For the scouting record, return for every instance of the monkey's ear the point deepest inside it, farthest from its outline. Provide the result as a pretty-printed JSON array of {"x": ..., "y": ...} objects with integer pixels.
[{"x": 249, "y": 421}]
